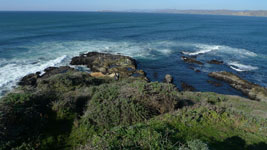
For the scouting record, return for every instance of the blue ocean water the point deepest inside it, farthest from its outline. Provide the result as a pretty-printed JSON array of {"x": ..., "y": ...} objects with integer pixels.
[{"x": 32, "y": 41}]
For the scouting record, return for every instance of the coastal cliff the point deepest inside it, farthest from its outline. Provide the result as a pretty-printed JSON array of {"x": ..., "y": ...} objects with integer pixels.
[{"x": 114, "y": 106}]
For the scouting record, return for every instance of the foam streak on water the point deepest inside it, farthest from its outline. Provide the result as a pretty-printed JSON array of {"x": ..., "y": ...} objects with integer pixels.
[
  {"x": 203, "y": 49},
  {"x": 241, "y": 67}
]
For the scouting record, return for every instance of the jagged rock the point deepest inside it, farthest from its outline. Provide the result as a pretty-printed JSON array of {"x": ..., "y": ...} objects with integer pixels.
[
  {"x": 109, "y": 64},
  {"x": 103, "y": 70},
  {"x": 217, "y": 62},
  {"x": 168, "y": 78},
  {"x": 191, "y": 60},
  {"x": 187, "y": 87},
  {"x": 30, "y": 79},
  {"x": 50, "y": 71},
  {"x": 214, "y": 83},
  {"x": 253, "y": 91},
  {"x": 196, "y": 70}
]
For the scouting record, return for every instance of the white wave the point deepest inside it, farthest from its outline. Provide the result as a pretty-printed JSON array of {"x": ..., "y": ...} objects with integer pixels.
[
  {"x": 42, "y": 55},
  {"x": 220, "y": 50},
  {"x": 241, "y": 67},
  {"x": 11, "y": 73},
  {"x": 203, "y": 49}
]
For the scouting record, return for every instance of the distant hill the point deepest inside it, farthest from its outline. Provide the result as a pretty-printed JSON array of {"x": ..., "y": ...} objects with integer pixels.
[
  {"x": 262, "y": 13},
  {"x": 259, "y": 13}
]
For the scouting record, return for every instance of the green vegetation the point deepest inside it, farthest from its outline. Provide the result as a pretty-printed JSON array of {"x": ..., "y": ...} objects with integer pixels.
[{"x": 73, "y": 110}]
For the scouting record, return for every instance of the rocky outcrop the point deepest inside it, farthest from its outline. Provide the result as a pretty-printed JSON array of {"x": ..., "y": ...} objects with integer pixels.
[
  {"x": 191, "y": 60},
  {"x": 168, "y": 78},
  {"x": 109, "y": 64},
  {"x": 187, "y": 87},
  {"x": 30, "y": 79},
  {"x": 214, "y": 83},
  {"x": 253, "y": 91},
  {"x": 102, "y": 66},
  {"x": 50, "y": 71},
  {"x": 216, "y": 62},
  {"x": 196, "y": 70}
]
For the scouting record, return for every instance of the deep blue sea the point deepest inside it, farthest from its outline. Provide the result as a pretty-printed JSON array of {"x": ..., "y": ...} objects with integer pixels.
[{"x": 33, "y": 41}]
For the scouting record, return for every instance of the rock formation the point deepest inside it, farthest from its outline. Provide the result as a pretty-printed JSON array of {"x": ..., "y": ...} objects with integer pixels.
[
  {"x": 191, "y": 60},
  {"x": 253, "y": 91},
  {"x": 109, "y": 64}
]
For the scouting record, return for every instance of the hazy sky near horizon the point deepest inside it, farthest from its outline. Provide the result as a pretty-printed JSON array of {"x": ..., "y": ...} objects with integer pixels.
[{"x": 94, "y": 5}]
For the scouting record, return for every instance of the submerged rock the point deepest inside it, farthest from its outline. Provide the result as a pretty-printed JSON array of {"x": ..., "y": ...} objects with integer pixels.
[
  {"x": 253, "y": 91},
  {"x": 168, "y": 78},
  {"x": 216, "y": 62},
  {"x": 191, "y": 60},
  {"x": 187, "y": 87},
  {"x": 196, "y": 70},
  {"x": 214, "y": 83},
  {"x": 109, "y": 64}
]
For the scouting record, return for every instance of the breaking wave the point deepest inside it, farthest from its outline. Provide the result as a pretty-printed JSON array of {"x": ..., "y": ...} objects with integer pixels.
[
  {"x": 220, "y": 50},
  {"x": 241, "y": 67},
  {"x": 203, "y": 49},
  {"x": 13, "y": 71}
]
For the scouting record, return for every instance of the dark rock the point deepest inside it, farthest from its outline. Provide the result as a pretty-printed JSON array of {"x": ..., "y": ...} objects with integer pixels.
[
  {"x": 30, "y": 79},
  {"x": 50, "y": 71},
  {"x": 217, "y": 62},
  {"x": 214, "y": 83},
  {"x": 168, "y": 78},
  {"x": 191, "y": 60},
  {"x": 253, "y": 91},
  {"x": 155, "y": 75},
  {"x": 196, "y": 70},
  {"x": 187, "y": 87},
  {"x": 108, "y": 64},
  {"x": 117, "y": 76}
]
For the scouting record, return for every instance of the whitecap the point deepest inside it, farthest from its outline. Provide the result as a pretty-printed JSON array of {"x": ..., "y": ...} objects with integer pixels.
[
  {"x": 241, "y": 67},
  {"x": 12, "y": 72},
  {"x": 203, "y": 49},
  {"x": 220, "y": 50}
]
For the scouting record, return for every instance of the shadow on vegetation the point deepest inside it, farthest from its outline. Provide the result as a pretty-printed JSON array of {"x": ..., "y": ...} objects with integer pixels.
[
  {"x": 56, "y": 132},
  {"x": 237, "y": 143},
  {"x": 183, "y": 103}
]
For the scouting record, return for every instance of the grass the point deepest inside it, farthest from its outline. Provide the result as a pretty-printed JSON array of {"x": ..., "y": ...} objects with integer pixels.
[
  {"x": 75, "y": 111},
  {"x": 214, "y": 126}
]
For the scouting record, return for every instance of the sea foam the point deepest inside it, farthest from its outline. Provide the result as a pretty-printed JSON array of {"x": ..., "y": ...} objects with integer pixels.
[
  {"x": 12, "y": 72},
  {"x": 55, "y": 53},
  {"x": 45, "y": 54},
  {"x": 219, "y": 50},
  {"x": 241, "y": 67},
  {"x": 203, "y": 49}
]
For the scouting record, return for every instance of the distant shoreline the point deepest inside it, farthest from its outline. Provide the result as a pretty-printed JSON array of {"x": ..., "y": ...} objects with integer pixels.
[
  {"x": 256, "y": 13},
  {"x": 253, "y": 13}
]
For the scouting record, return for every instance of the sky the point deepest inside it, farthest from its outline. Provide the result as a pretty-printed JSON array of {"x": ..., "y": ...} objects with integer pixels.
[{"x": 97, "y": 5}]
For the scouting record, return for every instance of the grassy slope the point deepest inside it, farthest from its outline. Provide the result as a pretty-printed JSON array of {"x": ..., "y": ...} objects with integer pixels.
[{"x": 78, "y": 111}]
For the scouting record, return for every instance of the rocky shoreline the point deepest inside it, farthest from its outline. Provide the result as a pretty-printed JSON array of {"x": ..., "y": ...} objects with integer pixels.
[
  {"x": 114, "y": 106},
  {"x": 253, "y": 91}
]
